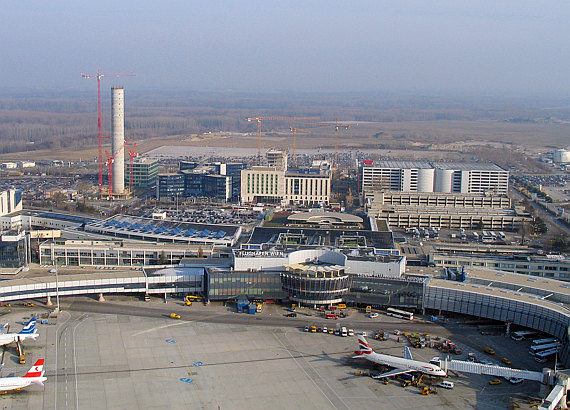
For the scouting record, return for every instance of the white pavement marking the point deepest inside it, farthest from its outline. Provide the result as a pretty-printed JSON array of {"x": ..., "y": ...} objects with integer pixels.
[
  {"x": 174, "y": 324},
  {"x": 158, "y": 328},
  {"x": 304, "y": 371},
  {"x": 75, "y": 360},
  {"x": 56, "y": 362}
]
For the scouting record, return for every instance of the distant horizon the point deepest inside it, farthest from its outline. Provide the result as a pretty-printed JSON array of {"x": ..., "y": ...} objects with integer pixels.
[{"x": 136, "y": 90}]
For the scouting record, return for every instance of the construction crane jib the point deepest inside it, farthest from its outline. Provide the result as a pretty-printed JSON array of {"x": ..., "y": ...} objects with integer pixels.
[{"x": 273, "y": 118}]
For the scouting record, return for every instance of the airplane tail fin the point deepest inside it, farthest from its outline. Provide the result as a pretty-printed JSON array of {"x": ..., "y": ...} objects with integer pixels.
[
  {"x": 363, "y": 346},
  {"x": 29, "y": 328},
  {"x": 37, "y": 370}
]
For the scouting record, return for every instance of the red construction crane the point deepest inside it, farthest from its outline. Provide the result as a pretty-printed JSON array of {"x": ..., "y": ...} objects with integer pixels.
[
  {"x": 272, "y": 118},
  {"x": 100, "y": 137},
  {"x": 294, "y": 130},
  {"x": 109, "y": 164},
  {"x": 132, "y": 154}
]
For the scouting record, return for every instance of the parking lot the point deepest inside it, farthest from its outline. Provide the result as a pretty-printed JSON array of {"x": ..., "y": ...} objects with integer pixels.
[{"x": 123, "y": 361}]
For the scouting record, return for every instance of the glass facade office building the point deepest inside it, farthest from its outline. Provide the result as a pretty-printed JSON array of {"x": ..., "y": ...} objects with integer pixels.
[{"x": 13, "y": 250}]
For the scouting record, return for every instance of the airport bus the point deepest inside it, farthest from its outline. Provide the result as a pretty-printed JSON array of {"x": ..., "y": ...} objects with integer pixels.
[
  {"x": 539, "y": 348},
  {"x": 543, "y": 341},
  {"x": 542, "y": 357},
  {"x": 523, "y": 334},
  {"x": 401, "y": 314}
]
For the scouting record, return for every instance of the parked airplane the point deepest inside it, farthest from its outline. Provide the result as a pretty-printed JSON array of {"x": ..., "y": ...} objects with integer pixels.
[
  {"x": 28, "y": 332},
  {"x": 401, "y": 365},
  {"x": 34, "y": 375}
]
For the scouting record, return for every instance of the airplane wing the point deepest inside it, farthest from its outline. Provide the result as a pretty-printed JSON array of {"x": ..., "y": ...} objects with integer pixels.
[
  {"x": 407, "y": 353},
  {"x": 394, "y": 372}
]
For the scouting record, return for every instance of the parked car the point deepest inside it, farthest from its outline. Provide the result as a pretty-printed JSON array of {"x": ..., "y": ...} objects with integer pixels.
[
  {"x": 325, "y": 330},
  {"x": 306, "y": 329},
  {"x": 446, "y": 384}
]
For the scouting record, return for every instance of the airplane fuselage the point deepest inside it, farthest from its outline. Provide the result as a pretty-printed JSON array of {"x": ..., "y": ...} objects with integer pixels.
[
  {"x": 12, "y": 383},
  {"x": 8, "y": 338},
  {"x": 401, "y": 363}
]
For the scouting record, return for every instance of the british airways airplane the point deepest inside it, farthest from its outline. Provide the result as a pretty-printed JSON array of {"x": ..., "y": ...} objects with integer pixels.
[{"x": 400, "y": 365}]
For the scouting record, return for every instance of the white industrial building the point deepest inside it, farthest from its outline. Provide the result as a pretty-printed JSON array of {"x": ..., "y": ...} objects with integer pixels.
[
  {"x": 420, "y": 176},
  {"x": 562, "y": 156}
]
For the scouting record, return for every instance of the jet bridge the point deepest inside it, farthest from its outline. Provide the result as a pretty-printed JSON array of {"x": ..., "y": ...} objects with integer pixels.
[
  {"x": 557, "y": 395},
  {"x": 491, "y": 370}
]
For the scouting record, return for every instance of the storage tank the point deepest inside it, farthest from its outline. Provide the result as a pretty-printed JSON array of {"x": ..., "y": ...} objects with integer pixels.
[
  {"x": 426, "y": 179},
  {"x": 443, "y": 180},
  {"x": 562, "y": 156}
]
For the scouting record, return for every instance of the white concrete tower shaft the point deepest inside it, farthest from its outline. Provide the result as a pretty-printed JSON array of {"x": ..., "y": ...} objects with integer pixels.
[{"x": 118, "y": 136}]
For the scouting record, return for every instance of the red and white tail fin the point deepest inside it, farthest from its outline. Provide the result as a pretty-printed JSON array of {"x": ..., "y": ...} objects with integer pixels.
[
  {"x": 37, "y": 369},
  {"x": 363, "y": 346}
]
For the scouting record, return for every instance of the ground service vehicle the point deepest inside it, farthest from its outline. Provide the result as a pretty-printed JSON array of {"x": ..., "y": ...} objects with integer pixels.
[
  {"x": 543, "y": 341},
  {"x": 523, "y": 334},
  {"x": 446, "y": 384},
  {"x": 175, "y": 316},
  {"x": 189, "y": 299},
  {"x": 539, "y": 348},
  {"x": 544, "y": 355},
  {"x": 401, "y": 314}
]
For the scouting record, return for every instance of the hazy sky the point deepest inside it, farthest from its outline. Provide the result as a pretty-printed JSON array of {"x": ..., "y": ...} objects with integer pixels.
[{"x": 483, "y": 46}]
